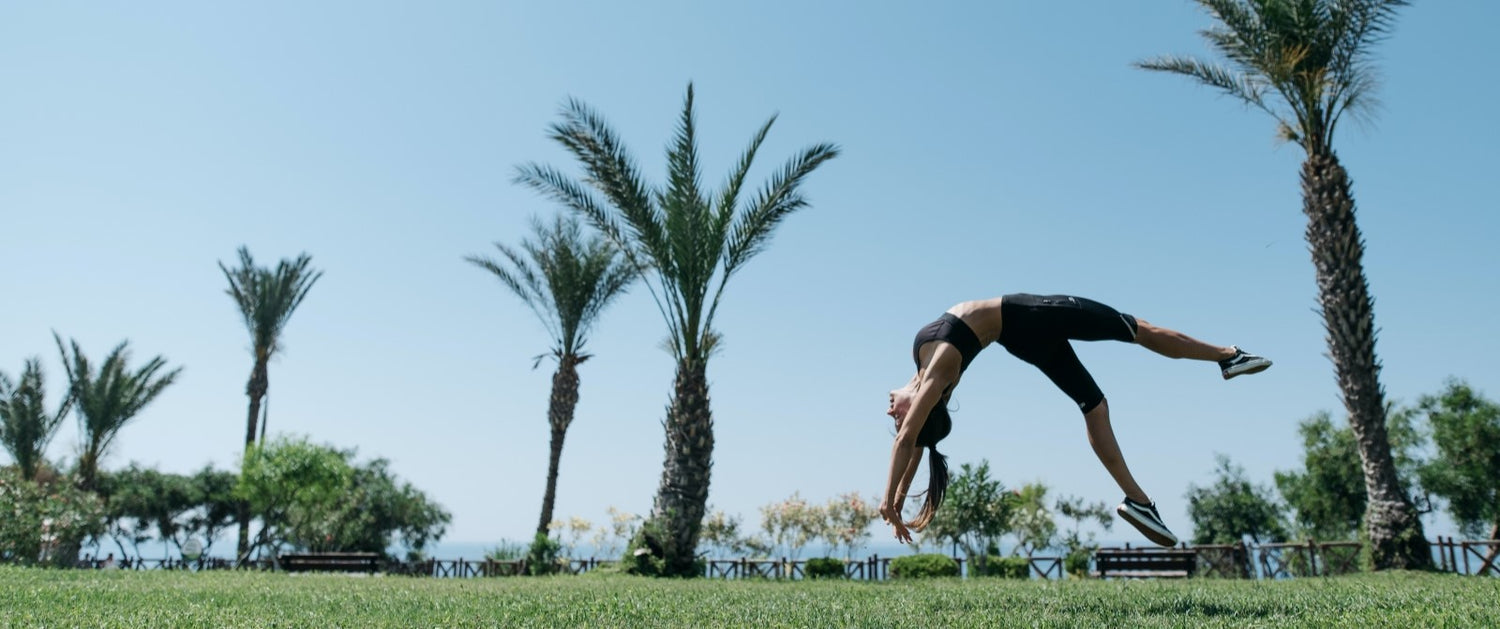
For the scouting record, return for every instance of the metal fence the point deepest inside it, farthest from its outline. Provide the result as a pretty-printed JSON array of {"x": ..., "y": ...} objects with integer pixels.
[{"x": 1234, "y": 561}]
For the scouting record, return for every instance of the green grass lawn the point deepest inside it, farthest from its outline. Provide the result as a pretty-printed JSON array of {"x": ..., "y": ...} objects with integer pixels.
[{"x": 53, "y": 598}]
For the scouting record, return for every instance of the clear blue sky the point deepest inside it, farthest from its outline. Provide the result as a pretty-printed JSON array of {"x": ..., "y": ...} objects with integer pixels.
[{"x": 988, "y": 147}]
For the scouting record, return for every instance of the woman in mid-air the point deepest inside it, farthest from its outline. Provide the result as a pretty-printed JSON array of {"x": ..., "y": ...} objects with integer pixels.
[{"x": 1036, "y": 329}]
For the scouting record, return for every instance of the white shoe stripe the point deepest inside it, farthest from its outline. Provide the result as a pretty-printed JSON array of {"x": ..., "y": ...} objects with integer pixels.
[{"x": 1148, "y": 520}]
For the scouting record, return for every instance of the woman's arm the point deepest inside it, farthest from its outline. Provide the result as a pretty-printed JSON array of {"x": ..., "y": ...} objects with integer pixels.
[
  {"x": 904, "y": 489},
  {"x": 905, "y": 455}
]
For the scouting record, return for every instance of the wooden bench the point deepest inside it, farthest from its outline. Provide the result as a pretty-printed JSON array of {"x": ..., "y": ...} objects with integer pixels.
[
  {"x": 1145, "y": 564},
  {"x": 330, "y": 562}
]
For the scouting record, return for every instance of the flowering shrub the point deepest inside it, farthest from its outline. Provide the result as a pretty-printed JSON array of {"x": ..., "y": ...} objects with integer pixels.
[
  {"x": 847, "y": 521},
  {"x": 45, "y": 522}
]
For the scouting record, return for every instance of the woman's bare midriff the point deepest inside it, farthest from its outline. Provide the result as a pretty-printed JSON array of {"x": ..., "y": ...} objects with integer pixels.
[{"x": 982, "y": 316}]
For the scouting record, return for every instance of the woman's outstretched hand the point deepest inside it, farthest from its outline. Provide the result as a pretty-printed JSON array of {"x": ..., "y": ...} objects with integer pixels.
[{"x": 892, "y": 515}]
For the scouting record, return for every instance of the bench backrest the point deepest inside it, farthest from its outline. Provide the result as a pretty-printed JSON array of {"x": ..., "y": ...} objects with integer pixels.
[
  {"x": 330, "y": 561},
  {"x": 1146, "y": 560}
]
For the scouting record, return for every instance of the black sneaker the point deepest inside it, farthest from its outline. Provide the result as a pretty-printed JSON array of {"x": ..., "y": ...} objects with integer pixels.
[
  {"x": 1146, "y": 520},
  {"x": 1242, "y": 363}
]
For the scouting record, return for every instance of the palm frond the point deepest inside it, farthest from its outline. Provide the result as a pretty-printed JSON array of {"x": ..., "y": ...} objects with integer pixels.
[
  {"x": 522, "y": 281},
  {"x": 610, "y": 169},
  {"x": 107, "y": 400},
  {"x": 1241, "y": 35},
  {"x": 691, "y": 240},
  {"x": 1312, "y": 54},
  {"x": 685, "y": 236},
  {"x": 267, "y": 298},
  {"x": 565, "y": 278},
  {"x": 777, "y": 200},
  {"x": 1240, "y": 85},
  {"x": 752, "y": 230}
]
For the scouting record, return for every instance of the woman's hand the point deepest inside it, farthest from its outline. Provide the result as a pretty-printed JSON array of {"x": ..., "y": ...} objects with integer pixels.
[{"x": 892, "y": 515}]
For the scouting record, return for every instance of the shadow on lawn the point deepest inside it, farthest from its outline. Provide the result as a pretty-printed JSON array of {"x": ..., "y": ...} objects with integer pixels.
[{"x": 1207, "y": 608}]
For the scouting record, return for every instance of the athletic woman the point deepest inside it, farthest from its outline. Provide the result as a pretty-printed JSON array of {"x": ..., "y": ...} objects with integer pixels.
[{"x": 1036, "y": 329}]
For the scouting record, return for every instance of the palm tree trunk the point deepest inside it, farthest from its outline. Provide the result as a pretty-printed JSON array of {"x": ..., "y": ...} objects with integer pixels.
[
  {"x": 88, "y": 466},
  {"x": 1396, "y": 537},
  {"x": 683, "y": 494},
  {"x": 559, "y": 416},
  {"x": 256, "y": 389}
]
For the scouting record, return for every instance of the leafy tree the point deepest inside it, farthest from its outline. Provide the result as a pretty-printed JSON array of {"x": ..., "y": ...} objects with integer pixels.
[
  {"x": 1031, "y": 521},
  {"x": 291, "y": 484},
  {"x": 567, "y": 281},
  {"x": 313, "y": 497},
  {"x": 975, "y": 514},
  {"x": 1328, "y": 494},
  {"x": 688, "y": 242},
  {"x": 25, "y": 425},
  {"x": 216, "y": 509},
  {"x": 144, "y": 503},
  {"x": 107, "y": 399},
  {"x": 1465, "y": 429},
  {"x": 1233, "y": 508},
  {"x": 1307, "y": 63},
  {"x": 266, "y": 299},
  {"x": 1078, "y": 547}
]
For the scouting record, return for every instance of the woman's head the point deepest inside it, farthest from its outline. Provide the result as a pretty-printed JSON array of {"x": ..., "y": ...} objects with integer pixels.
[{"x": 939, "y": 424}]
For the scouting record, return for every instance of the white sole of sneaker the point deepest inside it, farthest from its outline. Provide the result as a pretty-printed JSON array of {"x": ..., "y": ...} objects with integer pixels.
[
  {"x": 1255, "y": 366},
  {"x": 1157, "y": 537}
]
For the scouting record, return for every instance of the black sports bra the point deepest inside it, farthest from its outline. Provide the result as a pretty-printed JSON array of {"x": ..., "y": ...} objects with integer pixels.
[{"x": 950, "y": 329}]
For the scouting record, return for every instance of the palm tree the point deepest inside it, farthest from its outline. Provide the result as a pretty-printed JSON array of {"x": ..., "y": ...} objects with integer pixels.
[
  {"x": 266, "y": 299},
  {"x": 691, "y": 242},
  {"x": 107, "y": 399},
  {"x": 1306, "y": 63},
  {"x": 25, "y": 426},
  {"x": 567, "y": 282}
]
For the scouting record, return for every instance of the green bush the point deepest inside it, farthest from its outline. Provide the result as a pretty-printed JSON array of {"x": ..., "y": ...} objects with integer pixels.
[
  {"x": 1004, "y": 567},
  {"x": 542, "y": 557},
  {"x": 506, "y": 551},
  {"x": 922, "y": 566},
  {"x": 1076, "y": 563},
  {"x": 825, "y": 568}
]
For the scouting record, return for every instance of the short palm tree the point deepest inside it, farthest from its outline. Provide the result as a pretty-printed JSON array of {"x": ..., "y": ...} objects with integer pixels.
[
  {"x": 691, "y": 241},
  {"x": 1306, "y": 63},
  {"x": 25, "y": 425},
  {"x": 266, "y": 299},
  {"x": 567, "y": 281},
  {"x": 107, "y": 398}
]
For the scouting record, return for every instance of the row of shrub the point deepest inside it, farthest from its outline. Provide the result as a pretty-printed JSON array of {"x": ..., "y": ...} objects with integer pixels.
[{"x": 934, "y": 565}]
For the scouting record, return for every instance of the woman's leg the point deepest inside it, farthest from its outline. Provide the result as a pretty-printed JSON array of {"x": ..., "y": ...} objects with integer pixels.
[
  {"x": 1102, "y": 438},
  {"x": 1174, "y": 344}
]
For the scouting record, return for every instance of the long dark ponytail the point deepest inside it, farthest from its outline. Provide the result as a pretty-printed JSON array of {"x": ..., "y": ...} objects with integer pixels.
[{"x": 939, "y": 424}]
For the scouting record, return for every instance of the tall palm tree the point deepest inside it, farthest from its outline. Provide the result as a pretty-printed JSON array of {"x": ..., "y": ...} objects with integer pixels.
[
  {"x": 266, "y": 299},
  {"x": 567, "y": 281},
  {"x": 25, "y": 426},
  {"x": 691, "y": 242},
  {"x": 1306, "y": 63},
  {"x": 108, "y": 398}
]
